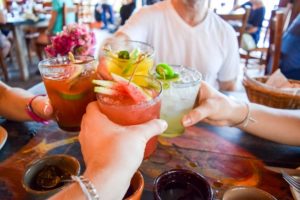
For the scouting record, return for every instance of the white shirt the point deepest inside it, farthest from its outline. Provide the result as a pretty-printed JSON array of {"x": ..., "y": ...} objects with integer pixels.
[{"x": 211, "y": 46}]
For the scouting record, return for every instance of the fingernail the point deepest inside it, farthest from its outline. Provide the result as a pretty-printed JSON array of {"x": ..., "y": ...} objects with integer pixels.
[
  {"x": 164, "y": 124},
  {"x": 47, "y": 110},
  {"x": 187, "y": 121}
]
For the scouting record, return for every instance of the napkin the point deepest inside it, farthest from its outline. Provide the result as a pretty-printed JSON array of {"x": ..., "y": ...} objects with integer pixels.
[{"x": 279, "y": 81}]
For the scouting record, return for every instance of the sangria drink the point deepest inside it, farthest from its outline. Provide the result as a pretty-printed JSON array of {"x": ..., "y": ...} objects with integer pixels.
[
  {"x": 69, "y": 87},
  {"x": 125, "y": 58},
  {"x": 178, "y": 97},
  {"x": 130, "y": 103}
]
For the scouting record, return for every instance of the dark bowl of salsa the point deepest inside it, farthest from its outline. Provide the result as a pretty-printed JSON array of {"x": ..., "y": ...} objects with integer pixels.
[
  {"x": 181, "y": 184},
  {"x": 48, "y": 175}
]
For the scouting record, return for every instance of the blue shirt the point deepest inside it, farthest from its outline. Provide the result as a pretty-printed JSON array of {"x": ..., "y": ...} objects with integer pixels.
[
  {"x": 290, "y": 51},
  {"x": 256, "y": 19}
]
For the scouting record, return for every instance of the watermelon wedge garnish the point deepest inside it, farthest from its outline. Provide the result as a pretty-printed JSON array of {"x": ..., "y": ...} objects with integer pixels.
[
  {"x": 135, "y": 92},
  {"x": 121, "y": 86}
]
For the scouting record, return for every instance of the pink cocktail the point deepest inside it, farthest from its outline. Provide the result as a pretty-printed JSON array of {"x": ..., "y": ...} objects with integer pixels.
[{"x": 124, "y": 110}]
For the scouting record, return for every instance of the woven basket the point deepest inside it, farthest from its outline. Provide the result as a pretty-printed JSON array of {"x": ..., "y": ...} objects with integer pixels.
[{"x": 260, "y": 93}]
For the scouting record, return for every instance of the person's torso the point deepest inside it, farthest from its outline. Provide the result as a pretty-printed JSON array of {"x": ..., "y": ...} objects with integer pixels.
[
  {"x": 70, "y": 18},
  {"x": 201, "y": 46}
]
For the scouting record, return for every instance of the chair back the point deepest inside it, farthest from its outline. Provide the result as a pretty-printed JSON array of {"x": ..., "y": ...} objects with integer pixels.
[
  {"x": 276, "y": 31},
  {"x": 4, "y": 67},
  {"x": 240, "y": 18},
  {"x": 67, "y": 10}
]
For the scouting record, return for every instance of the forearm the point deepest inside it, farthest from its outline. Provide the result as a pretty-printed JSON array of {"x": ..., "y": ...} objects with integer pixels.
[
  {"x": 110, "y": 185},
  {"x": 282, "y": 126},
  {"x": 227, "y": 85},
  {"x": 252, "y": 29},
  {"x": 13, "y": 102},
  {"x": 52, "y": 21}
]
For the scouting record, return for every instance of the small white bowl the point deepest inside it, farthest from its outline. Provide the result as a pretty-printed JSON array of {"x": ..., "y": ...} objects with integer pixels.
[{"x": 239, "y": 193}]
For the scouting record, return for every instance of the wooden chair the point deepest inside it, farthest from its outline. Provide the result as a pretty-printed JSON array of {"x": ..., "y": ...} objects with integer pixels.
[
  {"x": 276, "y": 32},
  {"x": 4, "y": 67},
  {"x": 240, "y": 18},
  {"x": 269, "y": 55}
]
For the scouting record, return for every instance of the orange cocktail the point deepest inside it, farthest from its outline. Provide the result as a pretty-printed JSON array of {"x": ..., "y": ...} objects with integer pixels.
[
  {"x": 133, "y": 108},
  {"x": 69, "y": 87}
]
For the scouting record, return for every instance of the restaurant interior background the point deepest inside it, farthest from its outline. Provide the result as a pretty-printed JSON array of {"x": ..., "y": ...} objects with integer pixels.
[{"x": 88, "y": 17}]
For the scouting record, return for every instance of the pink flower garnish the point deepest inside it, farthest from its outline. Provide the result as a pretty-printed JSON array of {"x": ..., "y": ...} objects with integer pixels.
[{"x": 75, "y": 38}]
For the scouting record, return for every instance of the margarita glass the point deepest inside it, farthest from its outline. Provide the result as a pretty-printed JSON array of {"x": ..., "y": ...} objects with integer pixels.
[
  {"x": 69, "y": 87},
  {"x": 125, "y": 58},
  {"x": 178, "y": 98},
  {"x": 124, "y": 110}
]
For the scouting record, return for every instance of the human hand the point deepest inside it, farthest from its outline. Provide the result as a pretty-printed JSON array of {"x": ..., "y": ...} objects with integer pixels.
[
  {"x": 42, "y": 107},
  {"x": 215, "y": 108},
  {"x": 106, "y": 144}
]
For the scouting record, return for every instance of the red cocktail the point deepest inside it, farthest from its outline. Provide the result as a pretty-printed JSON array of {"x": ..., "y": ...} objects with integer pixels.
[
  {"x": 69, "y": 87},
  {"x": 135, "y": 105}
]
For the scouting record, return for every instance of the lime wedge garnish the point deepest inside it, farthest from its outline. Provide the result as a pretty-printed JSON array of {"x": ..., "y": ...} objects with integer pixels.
[{"x": 71, "y": 96}]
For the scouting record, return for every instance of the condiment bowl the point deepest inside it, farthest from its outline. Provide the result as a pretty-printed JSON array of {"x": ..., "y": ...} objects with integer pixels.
[{"x": 35, "y": 174}]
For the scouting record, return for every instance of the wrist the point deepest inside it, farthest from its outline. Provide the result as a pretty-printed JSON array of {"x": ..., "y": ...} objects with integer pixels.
[
  {"x": 32, "y": 111},
  {"x": 108, "y": 177},
  {"x": 239, "y": 113}
]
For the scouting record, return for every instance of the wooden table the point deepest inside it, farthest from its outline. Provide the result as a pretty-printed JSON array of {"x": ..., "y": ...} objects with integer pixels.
[
  {"x": 226, "y": 156},
  {"x": 16, "y": 24}
]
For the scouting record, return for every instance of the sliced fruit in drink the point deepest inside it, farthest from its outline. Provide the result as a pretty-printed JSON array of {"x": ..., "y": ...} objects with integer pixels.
[
  {"x": 74, "y": 71},
  {"x": 107, "y": 91},
  {"x": 103, "y": 69},
  {"x": 111, "y": 85},
  {"x": 122, "y": 87},
  {"x": 136, "y": 92},
  {"x": 164, "y": 70},
  {"x": 123, "y": 55},
  {"x": 71, "y": 96},
  {"x": 134, "y": 53}
]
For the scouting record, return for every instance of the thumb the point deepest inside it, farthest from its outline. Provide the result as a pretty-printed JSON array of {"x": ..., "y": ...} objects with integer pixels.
[
  {"x": 42, "y": 107},
  {"x": 151, "y": 128},
  {"x": 197, "y": 114}
]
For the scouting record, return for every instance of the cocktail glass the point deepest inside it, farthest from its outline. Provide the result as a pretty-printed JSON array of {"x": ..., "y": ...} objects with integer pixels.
[
  {"x": 69, "y": 87},
  {"x": 125, "y": 58},
  {"x": 124, "y": 111},
  {"x": 178, "y": 98}
]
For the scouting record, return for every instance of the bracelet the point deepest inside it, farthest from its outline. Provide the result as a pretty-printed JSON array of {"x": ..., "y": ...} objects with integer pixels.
[
  {"x": 87, "y": 187},
  {"x": 32, "y": 114},
  {"x": 247, "y": 119}
]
